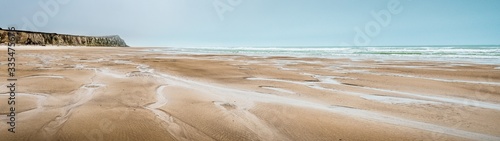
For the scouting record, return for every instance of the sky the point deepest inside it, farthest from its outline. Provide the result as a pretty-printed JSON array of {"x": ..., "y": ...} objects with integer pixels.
[{"x": 206, "y": 23}]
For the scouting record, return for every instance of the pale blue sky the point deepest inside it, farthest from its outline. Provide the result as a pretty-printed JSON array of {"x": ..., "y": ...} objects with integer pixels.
[{"x": 265, "y": 22}]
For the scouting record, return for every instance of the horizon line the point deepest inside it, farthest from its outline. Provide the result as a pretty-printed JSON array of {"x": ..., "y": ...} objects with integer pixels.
[{"x": 486, "y": 45}]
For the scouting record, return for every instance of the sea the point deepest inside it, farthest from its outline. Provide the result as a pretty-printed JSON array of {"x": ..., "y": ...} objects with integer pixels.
[{"x": 467, "y": 54}]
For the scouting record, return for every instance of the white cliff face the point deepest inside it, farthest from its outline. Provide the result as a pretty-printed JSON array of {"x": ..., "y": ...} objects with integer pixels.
[{"x": 40, "y": 38}]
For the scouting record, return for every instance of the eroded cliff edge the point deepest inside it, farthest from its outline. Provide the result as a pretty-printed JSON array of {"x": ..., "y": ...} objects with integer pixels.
[{"x": 42, "y": 39}]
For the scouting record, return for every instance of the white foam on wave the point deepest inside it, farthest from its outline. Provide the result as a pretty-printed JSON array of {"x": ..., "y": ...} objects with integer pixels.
[{"x": 476, "y": 54}]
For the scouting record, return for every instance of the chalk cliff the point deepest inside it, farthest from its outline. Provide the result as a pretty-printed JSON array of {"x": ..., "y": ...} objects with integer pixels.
[{"x": 42, "y": 38}]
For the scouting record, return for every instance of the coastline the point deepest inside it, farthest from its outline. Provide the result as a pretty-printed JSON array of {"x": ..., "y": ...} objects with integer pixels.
[{"x": 81, "y": 93}]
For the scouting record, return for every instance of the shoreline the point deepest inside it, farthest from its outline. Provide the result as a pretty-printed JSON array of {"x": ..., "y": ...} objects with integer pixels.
[{"x": 153, "y": 50}]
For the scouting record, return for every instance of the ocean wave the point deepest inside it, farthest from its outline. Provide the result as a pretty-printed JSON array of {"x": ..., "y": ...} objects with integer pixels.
[{"x": 478, "y": 54}]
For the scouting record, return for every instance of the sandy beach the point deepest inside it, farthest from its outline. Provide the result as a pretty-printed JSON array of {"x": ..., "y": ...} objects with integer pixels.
[{"x": 101, "y": 94}]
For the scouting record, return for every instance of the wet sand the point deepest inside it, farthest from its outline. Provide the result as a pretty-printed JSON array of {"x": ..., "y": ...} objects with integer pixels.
[{"x": 135, "y": 94}]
